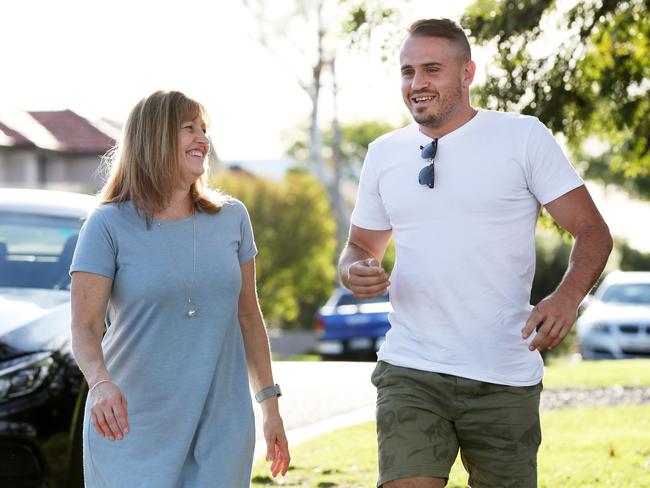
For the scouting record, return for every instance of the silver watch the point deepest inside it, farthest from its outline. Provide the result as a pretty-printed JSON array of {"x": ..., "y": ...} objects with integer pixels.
[{"x": 263, "y": 394}]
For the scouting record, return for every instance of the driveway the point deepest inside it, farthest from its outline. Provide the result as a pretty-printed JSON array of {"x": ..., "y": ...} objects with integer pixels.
[{"x": 319, "y": 397}]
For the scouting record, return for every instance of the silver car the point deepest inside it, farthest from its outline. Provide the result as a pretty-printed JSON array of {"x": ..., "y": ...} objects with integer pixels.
[{"x": 616, "y": 321}]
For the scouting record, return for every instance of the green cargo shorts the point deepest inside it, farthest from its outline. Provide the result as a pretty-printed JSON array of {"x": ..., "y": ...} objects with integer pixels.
[{"x": 424, "y": 418}]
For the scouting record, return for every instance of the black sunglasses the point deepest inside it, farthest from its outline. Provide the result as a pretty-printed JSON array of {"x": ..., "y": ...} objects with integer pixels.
[{"x": 427, "y": 175}]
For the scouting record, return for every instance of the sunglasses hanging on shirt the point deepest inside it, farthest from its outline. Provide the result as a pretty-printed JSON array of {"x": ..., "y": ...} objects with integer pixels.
[{"x": 427, "y": 174}]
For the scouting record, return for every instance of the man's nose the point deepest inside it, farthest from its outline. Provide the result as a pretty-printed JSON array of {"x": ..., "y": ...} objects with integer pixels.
[{"x": 419, "y": 81}]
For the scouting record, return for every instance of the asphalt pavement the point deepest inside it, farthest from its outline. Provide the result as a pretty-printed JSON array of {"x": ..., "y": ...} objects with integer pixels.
[{"x": 319, "y": 397}]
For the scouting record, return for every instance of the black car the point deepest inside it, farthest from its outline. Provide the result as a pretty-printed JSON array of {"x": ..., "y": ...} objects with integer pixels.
[{"x": 42, "y": 391}]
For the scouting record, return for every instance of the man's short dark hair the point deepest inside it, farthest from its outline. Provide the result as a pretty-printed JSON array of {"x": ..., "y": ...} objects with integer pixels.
[{"x": 445, "y": 28}]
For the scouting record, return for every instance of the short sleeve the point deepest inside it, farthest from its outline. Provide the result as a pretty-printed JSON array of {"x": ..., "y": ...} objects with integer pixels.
[
  {"x": 369, "y": 212},
  {"x": 247, "y": 249},
  {"x": 549, "y": 172},
  {"x": 96, "y": 251}
]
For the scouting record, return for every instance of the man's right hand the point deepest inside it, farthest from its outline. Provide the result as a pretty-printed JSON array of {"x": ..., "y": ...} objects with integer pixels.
[{"x": 366, "y": 278}]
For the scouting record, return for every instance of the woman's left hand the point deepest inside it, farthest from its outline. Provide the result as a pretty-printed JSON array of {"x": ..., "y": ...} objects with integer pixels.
[{"x": 277, "y": 447}]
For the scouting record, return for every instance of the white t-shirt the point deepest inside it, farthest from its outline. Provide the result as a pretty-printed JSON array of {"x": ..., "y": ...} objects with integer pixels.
[{"x": 465, "y": 250}]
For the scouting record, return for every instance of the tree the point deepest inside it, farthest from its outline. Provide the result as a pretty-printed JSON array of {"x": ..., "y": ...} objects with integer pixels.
[
  {"x": 294, "y": 233},
  {"x": 315, "y": 32},
  {"x": 353, "y": 145},
  {"x": 583, "y": 68},
  {"x": 630, "y": 258}
]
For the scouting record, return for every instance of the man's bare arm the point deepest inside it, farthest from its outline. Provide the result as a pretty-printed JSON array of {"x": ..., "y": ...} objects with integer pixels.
[
  {"x": 554, "y": 315},
  {"x": 359, "y": 265}
]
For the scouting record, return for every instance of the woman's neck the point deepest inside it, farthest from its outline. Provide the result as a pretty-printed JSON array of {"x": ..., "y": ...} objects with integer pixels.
[{"x": 180, "y": 207}]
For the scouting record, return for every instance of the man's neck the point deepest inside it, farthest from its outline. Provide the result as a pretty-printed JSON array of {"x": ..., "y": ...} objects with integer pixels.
[{"x": 459, "y": 119}]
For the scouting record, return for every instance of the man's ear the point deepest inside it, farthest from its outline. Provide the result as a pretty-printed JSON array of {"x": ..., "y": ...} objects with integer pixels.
[{"x": 468, "y": 71}]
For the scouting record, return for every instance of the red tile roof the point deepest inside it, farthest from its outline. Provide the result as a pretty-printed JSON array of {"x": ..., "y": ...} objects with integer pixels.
[
  {"x": 74, "y": 133},
  {"x": 19, "y": 140}
]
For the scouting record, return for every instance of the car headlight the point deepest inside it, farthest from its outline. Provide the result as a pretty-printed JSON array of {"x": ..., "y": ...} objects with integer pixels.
[{"x": 23, "y": 375}]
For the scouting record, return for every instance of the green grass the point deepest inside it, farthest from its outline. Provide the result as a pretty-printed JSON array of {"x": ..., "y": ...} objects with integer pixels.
[
  {"x": 296, "y": 357},
  {"x": 591, "y": 374},
  {"x": 582, "y": 448}
]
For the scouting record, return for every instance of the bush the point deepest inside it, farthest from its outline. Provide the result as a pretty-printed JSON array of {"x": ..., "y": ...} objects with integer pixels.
[{"x": 294, "y": 231}]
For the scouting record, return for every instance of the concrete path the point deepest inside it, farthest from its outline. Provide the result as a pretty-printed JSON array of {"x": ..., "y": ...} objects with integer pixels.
[{"x": 319, "y": 397}]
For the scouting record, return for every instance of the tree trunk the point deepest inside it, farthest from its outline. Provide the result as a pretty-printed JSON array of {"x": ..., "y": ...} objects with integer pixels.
[
  {"x": 316, "y": 162},
  {"x": 338, "y": 203}
]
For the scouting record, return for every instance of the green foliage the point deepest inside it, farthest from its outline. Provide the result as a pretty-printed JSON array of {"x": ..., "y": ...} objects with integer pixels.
[
  {"x": 366, "y": 22},
  {"x": 552, "y": 251},
  {"x": 294, "y": 232},
  {"x": 355, "y": 139},
  {"x": 552, "y": 247},
  {"x": 388, "y": 260},
  {"x": 592, "y": 86},
  {"x": 631, "y": 259}
]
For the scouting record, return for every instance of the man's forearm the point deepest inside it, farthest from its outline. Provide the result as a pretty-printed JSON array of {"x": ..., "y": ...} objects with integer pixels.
[
  {"x": 351, "y": 254},
  {"x": 588, "y": 258}
]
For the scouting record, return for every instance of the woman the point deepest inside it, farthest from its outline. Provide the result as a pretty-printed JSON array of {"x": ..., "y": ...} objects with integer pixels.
[{"x": 169, "y": 270}]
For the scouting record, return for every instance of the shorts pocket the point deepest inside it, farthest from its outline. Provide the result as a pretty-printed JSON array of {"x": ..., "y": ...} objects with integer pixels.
[{"x": 378, "y": 373}]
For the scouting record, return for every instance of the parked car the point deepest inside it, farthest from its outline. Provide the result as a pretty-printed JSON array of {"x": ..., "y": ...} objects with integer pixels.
[
  {"x": 350, "y": 328},
  {"x": 41, "y": 389},
  {"x": 616, "y": 321}
]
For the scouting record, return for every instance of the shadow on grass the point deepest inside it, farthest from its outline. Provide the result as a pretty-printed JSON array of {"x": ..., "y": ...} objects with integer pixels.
[{"x": 262, "y": 480}]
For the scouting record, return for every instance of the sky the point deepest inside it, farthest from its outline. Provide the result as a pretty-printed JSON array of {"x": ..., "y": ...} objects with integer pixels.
[{"x": 100, "y": 58}]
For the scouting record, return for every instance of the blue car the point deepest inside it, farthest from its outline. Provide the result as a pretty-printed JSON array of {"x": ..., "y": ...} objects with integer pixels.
[{"x": 352, "y": 328}]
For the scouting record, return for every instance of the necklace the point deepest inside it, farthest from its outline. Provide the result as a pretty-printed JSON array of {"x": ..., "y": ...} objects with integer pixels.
[{"x": 190, "y": 308}]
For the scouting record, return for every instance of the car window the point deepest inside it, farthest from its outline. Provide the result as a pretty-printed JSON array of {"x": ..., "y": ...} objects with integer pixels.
[
  {"x": 36, "y": 250},
  {"x": 633, "y": 293},
  {"x": 349, "y": 299}
]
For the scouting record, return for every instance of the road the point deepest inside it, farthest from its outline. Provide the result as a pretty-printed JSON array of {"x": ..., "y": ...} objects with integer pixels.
[{"x": 320, "y": 396}]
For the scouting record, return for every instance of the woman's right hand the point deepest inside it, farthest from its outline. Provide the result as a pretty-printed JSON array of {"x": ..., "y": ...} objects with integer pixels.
[{"x": 109, "y": 411}]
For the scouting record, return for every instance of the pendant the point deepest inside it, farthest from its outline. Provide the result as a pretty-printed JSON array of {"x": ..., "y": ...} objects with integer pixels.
[{"x": 191, "y": 310}]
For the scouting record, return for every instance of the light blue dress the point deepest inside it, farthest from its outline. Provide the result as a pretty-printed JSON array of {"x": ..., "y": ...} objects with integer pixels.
[{"x": 185, "y": 379}]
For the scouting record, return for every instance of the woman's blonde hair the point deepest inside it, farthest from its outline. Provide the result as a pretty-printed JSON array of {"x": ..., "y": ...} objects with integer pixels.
[{"x": 145, "y": 167}]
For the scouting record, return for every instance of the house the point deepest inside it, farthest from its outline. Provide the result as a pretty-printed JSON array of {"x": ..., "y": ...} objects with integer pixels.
[
  {"x": 53, "y": 149},
  {"x": 62, "y": 150}
]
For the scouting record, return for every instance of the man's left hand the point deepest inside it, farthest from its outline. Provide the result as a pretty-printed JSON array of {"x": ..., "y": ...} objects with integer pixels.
[{"x": 553, "y": 318}]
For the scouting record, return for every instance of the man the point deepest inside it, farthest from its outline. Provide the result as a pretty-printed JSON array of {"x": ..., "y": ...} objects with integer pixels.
[{"x": 461, "y": 365}]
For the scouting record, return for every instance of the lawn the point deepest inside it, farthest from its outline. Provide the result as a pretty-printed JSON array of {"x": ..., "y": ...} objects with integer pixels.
[
  {"x": 582, "y": 447},
  {"x": 591, "y": 374},
  {"x": 586, "y": 448}
]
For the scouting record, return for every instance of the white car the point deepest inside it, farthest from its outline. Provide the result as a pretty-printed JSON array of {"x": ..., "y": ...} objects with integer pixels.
[{"x": 616, "y": 321}]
